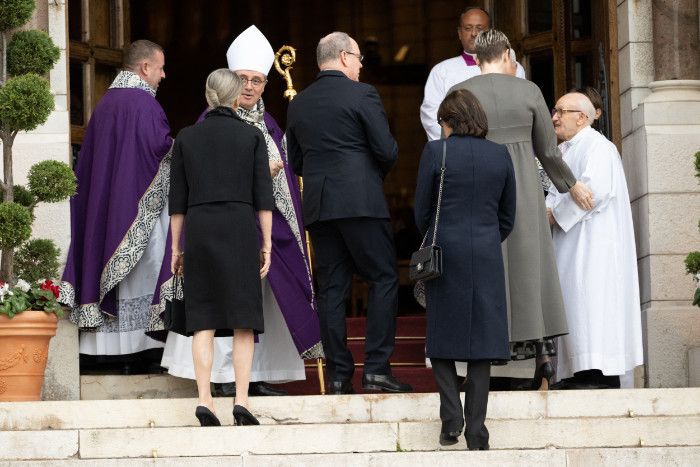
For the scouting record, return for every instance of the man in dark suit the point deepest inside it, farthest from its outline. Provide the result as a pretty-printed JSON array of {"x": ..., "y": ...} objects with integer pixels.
[{"x": 338, "y": 140}]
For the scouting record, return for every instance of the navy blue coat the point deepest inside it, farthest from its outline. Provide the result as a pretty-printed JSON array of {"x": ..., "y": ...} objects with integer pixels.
[
  {"x": 338, "y": 140},
  {"x": 466, "y": 306}
]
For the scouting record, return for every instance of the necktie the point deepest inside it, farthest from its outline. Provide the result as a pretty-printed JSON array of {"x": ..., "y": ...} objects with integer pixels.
[{"x": 468, "y": 59}]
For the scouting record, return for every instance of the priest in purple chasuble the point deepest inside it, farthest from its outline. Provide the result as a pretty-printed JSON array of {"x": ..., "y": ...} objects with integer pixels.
[
  {"x": 119, "y": 216},
  {"x": 292, "y": 331}
]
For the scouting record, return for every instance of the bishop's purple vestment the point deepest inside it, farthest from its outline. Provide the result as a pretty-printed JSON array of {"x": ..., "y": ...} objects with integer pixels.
[{"x": 123, "y": 181}]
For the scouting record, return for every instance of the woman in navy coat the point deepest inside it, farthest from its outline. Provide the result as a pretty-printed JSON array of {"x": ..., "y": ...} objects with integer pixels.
[{"x": 466, "y": 306}]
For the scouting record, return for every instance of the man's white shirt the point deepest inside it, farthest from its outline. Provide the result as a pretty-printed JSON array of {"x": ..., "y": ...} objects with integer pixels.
[{"x": 442, "y": 77}]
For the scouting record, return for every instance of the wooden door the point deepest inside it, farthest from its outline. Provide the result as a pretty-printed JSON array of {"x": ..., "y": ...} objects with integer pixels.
[
  {"x": 98, "y": 32},
  {"x": 565, "y": 44}
]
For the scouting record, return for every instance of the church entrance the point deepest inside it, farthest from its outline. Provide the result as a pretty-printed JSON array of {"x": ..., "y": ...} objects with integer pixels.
[{"x": 562, "y": 44}]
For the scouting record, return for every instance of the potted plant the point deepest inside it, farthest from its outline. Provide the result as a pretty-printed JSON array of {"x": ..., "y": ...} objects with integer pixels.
[
  {"x": 692, "y": 261},
  {"x": 28, "y": 306}
]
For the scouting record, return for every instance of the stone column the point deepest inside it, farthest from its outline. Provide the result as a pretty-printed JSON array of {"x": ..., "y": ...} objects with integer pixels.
[
  {"x": 676, "y": 49},
  {"x": 660, "y": 104}
]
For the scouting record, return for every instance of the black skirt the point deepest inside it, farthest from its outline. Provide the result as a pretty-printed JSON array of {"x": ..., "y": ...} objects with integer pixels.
[{"x": 222, "y": 269}]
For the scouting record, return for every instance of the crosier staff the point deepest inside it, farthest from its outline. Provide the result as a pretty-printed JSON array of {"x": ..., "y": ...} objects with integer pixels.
[{"x": 284, "y": 62}]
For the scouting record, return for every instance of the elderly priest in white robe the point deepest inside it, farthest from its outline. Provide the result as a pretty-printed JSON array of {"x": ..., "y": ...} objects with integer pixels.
[{"x": 596, "y": 258}]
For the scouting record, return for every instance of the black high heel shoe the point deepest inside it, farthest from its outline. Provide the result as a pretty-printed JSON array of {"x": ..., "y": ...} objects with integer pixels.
[
  {"x": 241, "y": 416},
  {"x": 206, "y": 417}
]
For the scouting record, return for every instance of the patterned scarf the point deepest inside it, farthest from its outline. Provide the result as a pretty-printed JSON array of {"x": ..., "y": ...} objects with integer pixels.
[
  {"x": 280, "y": 189},
  {"x": 130, "y": 80}
]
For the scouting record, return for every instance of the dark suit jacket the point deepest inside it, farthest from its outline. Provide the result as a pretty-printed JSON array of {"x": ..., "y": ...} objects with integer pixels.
[
  {"x": 221, "y": 159},
  {"x": 338, "y": 140}
]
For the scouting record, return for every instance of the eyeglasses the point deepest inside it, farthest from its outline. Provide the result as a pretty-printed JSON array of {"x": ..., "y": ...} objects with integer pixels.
[
  {"x": 560, "y": 112},
  {"x": 359, "y": 56},
  {"x": 255, "y": 82}
]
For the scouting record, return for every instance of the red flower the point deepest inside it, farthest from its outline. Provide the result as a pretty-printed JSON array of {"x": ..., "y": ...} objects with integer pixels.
[
  {"x": 2, "y": 282},
  {"x": 48, "y": 285}
]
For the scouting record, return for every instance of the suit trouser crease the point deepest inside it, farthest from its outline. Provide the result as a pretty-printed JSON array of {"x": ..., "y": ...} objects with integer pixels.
[{"x": 364, "y": 245}]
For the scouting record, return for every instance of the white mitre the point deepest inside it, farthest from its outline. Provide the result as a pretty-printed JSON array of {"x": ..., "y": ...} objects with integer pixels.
[{"x": 250, "y": 51}]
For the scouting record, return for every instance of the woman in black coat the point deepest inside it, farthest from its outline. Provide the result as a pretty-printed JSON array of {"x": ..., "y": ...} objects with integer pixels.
[
  {"x": 466, "y": 306},
  {"x": 219, "y": 180}
]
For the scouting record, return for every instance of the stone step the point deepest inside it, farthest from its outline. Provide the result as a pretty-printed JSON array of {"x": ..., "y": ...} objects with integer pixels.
[
  {"x": 637, "y": 457},
  {"x": 360, "y": 408},
  {"x": 583, "y": 433}
]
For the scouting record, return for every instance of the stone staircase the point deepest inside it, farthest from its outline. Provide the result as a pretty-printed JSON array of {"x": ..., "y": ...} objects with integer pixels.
[{"x": 638, "y": 427}]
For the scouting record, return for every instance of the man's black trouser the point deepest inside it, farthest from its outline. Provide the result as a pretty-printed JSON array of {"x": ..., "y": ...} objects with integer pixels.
[{"x": 341, "y": 247}]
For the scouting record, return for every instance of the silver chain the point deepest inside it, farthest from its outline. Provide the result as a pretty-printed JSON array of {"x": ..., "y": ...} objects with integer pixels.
[{"x": 439, "y": 200}]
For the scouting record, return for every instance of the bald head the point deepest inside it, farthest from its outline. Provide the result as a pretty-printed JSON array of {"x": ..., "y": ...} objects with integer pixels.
[{"x": 573, "y": 112}]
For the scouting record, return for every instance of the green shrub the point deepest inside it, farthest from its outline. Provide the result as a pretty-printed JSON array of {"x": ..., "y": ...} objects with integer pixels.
[
  {"x": 37, "y": 259},
  {"x": 25, "y": 102},
  {"x": 51, "y": 181},
  {"x": 21, "y": 196},
  {"x": 15, "y": 225},
  {"x": 697, "y": 164},
  {"x": 14, "y": 13},
  {"x": 31, "y": 52},
  {"x": 24, "y": 197},
  {"x": 692, "y": 263}
]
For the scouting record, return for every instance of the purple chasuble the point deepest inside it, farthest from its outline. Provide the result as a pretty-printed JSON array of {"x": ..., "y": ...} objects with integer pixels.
[
  {"x": 123, "y": 183},
  {"x": 289, "y": 271}
]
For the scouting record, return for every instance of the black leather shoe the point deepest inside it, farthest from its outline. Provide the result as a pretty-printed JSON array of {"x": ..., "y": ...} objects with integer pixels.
[
  {"x": 448, "y": 439},
  {"x": 206, "y": 417},
  {"x": 386, "y": 383},
  {"x": 261, "y": 389},
  {"x": 482, "y": 448},
  {"x": 341, "y": 387},
  {"x": 566, "y": 384},
  {"x": 224, "y": 390}
]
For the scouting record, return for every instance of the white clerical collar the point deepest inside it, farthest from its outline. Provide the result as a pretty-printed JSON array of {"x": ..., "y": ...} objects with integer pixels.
[{"x": 579, "y": 136}]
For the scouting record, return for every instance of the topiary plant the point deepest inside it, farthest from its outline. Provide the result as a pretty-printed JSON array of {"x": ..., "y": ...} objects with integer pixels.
[
  {"x": 37, "y": 260},
  {"x": 692, "y": 261},
  {"x": 25, "y": 103},
  {"x": 31, "y": 52}
]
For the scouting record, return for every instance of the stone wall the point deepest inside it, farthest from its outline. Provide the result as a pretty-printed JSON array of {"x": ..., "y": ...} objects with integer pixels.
[{"x": 661, "y": 132}]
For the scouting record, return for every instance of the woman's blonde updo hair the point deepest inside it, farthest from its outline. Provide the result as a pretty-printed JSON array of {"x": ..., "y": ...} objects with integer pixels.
[
  {"x": 222, "y": 88},
  {"x": 490, "y": 45}
]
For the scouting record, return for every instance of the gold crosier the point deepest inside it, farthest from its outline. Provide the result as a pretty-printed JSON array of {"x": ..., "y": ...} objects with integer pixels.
[{"x": 284, "y": 62}]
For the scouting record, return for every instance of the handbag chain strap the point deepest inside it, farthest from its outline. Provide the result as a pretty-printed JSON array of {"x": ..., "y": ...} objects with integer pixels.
[{"x": 442, "y": 181}]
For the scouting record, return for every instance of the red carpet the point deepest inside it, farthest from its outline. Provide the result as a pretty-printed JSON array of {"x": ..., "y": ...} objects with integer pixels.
[{"x": 407, "y": 361}]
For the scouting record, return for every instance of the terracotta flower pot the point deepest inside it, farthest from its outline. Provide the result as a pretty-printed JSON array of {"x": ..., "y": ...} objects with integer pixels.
[{"x": 24, "y": 349}]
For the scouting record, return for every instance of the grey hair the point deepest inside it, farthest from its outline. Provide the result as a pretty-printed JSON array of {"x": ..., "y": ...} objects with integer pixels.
[
  {"x": 222, "y": 88},
  {"x": 330, "y": 46},
  {"x": 585, "y": 105},
  {"x": 490, "y": 44},
  {"x": 139, "y": 51},
  {"x": 513, "y": 58}
]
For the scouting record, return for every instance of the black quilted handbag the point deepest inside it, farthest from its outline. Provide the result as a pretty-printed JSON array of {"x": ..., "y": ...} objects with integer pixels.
[
  {"x": 426, "y": 263},
  {"x": 174, "y": 315}
]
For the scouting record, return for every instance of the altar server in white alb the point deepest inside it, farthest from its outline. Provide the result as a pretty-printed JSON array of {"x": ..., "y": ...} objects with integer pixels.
[
  {"x": 447, "y": 73},
  {"x": 596, "y": 257}
]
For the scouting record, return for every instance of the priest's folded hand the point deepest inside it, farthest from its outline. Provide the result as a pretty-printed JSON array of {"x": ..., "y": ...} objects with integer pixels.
[
  {"x": 583, "y": 196},
  {"x": 550, "y": 217}
]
